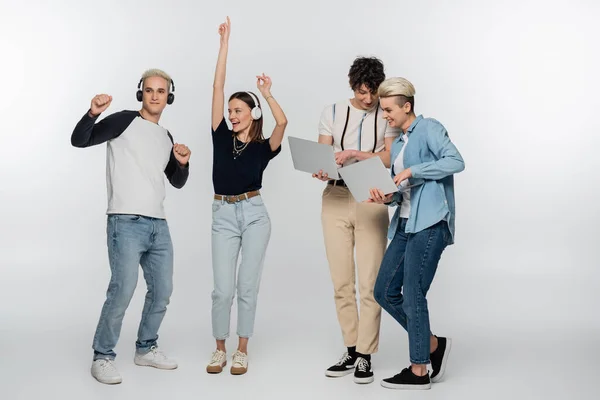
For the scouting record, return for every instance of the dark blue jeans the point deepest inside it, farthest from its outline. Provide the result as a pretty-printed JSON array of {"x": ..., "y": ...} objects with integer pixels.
[{"x": 405, "y": 275}]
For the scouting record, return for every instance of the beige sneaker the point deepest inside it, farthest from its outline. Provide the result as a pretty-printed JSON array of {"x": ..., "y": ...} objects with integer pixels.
[
  {"x": 240, "y": 363},
  {"x": 217, "y": 362}
]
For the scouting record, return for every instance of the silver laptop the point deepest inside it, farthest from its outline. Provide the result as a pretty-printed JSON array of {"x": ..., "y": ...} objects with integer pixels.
[
  {"x": 312, "y": 157},
  {"x": 365, "y": 175}
]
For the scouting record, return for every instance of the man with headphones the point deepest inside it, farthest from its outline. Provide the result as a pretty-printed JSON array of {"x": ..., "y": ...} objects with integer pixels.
[{"x": 140, "y": 153}]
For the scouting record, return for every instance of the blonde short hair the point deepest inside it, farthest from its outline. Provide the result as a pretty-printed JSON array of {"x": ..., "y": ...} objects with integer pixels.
[
  {"x": 157, "y": 72},
  {"x": 396, "y": 87},
  {"x": 401, "y": 89}
]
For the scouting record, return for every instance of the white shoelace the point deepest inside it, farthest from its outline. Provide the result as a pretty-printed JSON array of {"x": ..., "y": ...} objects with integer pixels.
[
  {"x": 239, "y": 358},
  {"x": 344, "y": 358},
  {"x": 362, "y": 364},
  {"x": 217, "y": 357},
  {"x": 157, "y": 353},
  {"x": 107, "y": 365}
]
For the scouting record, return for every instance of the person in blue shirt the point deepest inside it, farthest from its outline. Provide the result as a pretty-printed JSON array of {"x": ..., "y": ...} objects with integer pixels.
[{"x": 423, "y": 163}]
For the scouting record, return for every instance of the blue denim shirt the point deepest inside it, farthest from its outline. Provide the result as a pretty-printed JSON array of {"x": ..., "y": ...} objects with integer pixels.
[{"x": 432, "y": 159}]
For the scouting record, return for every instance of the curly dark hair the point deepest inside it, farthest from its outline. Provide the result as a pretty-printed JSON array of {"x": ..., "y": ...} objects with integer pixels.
[{"x": 367, "y": 70}]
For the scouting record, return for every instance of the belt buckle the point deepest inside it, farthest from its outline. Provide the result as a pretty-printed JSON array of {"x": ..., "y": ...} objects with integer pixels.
[{"x": 230, "y": 199}]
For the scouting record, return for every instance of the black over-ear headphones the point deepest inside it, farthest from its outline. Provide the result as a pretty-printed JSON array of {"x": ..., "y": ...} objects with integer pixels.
[{"x": 170, "y": 97}]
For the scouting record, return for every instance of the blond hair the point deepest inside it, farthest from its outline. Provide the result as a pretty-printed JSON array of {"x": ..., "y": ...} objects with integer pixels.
[
  {"x": 157, "y": 72},
  {"x": 401, "y": 89},
  {"x": 396, "y": 87}
]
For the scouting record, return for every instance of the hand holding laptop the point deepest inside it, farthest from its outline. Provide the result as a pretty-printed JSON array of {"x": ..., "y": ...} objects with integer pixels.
[
  {"x": 400, "y": 180},
  {"x": 368, "y": 180},
  {"x": 315, "y": 158},
  {"x": 341, "y": 157},
  {"x": 377, "y": 196},
  {"x": 321, "y": 176},
  {"x": 363, "y": 176}
]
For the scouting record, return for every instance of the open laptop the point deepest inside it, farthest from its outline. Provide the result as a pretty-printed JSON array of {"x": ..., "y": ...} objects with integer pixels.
[
  {"x": 368, "y": 174},
  {"x": 312, "y": 157}
]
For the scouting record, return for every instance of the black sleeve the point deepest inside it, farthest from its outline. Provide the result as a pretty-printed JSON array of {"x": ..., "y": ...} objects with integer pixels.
[
  {"x": 176, "y": 173},
  {"x": 88, "y": 133},
  {"x": 267, "y": 152},
  {"x": 222, "y": 128}
]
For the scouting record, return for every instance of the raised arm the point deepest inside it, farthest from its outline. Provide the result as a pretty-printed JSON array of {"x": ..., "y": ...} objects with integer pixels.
[
  {"x": 218, "y": 100},
  {"x": 89, "y": 133},
  {"x": 263, "y": 83}
]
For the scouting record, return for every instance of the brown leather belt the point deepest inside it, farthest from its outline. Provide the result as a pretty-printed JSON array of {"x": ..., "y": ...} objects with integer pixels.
[{"x": 237, "y": 197}]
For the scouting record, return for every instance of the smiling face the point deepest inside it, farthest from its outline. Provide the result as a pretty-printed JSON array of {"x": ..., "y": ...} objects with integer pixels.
[
  {"x": 398, "y": 116},
  {"x": 364, "y": 98},
  {"x": 239, "y": 115},
  {"x": 365, "y": 76},
  {"x": 155, "y": 92}
]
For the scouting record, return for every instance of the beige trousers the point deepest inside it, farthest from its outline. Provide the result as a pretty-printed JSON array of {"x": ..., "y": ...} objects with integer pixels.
[{"x": 347, "y": 223}]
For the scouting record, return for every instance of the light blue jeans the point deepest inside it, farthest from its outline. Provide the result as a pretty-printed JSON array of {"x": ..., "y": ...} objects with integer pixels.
[
  {"x": 242, "y": 225},
  {"x": 132, "y": 241}
]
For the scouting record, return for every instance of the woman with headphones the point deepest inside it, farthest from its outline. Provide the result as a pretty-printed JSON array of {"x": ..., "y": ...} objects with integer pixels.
[{"x": 240, "y": 219}]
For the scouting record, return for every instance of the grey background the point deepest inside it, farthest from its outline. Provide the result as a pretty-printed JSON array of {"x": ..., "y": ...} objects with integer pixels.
[{"x": 514, "y": 82}]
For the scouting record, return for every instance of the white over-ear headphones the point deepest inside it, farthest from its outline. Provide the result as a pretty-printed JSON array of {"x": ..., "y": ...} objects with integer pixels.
[{"x": 256, "y": 112}]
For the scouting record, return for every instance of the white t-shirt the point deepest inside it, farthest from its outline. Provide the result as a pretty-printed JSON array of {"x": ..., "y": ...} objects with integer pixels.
[
  {"x": 360, "y": 130},
  {"x": 399, "y": 167}
]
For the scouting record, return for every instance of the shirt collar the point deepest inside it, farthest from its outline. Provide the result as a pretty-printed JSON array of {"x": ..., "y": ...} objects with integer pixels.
[{"x": 414, "y": 124}]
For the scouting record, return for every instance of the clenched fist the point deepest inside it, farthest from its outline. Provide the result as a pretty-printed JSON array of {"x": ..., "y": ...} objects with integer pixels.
[
  {"x": 182, "y": 153},
  {"x": 99, "y": 104}
]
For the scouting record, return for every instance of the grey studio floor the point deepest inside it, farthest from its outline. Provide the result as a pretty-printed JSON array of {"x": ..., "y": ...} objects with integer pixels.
[{"x": 510, "y": 341}]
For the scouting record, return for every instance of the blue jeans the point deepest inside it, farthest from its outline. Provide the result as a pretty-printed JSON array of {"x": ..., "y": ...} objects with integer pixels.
[
  {"x": 132, "y": 241},
  {"x": 242, "y": 225},
  {"x": 405, "y": 275}
]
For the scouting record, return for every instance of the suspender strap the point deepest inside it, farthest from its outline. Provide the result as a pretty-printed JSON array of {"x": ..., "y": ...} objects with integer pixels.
[
  {"x": 375, "y": 128},
  {"x": 346, "y": 126}
]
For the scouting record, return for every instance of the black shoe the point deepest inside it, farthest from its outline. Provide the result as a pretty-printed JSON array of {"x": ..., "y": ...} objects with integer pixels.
[
  {"x": 407, "y": 380},
  {"x": 439, "y": 358},
  {"x": 362, "y": 371},
  {"x": 343, "y": 367}
]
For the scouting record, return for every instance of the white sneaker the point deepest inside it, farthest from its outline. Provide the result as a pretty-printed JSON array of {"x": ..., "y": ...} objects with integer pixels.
[
  {"x": 217, "y": 362},
  {"x": 154, "y": 358},
  {"x": 105, "y": 371},
  {"x": 240, "y": 363}
]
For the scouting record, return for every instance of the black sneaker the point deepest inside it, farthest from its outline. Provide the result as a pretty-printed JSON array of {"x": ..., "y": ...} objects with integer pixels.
[
  {"x": 407, "y": 380},
  {"x": 362, "y": 371},
  {"x": 343, "y": 367},
  {"x": 439, "y": 358}
]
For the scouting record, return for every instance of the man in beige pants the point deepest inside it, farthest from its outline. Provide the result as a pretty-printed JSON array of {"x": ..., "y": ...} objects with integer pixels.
[{"x": 356, "y": 129}]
